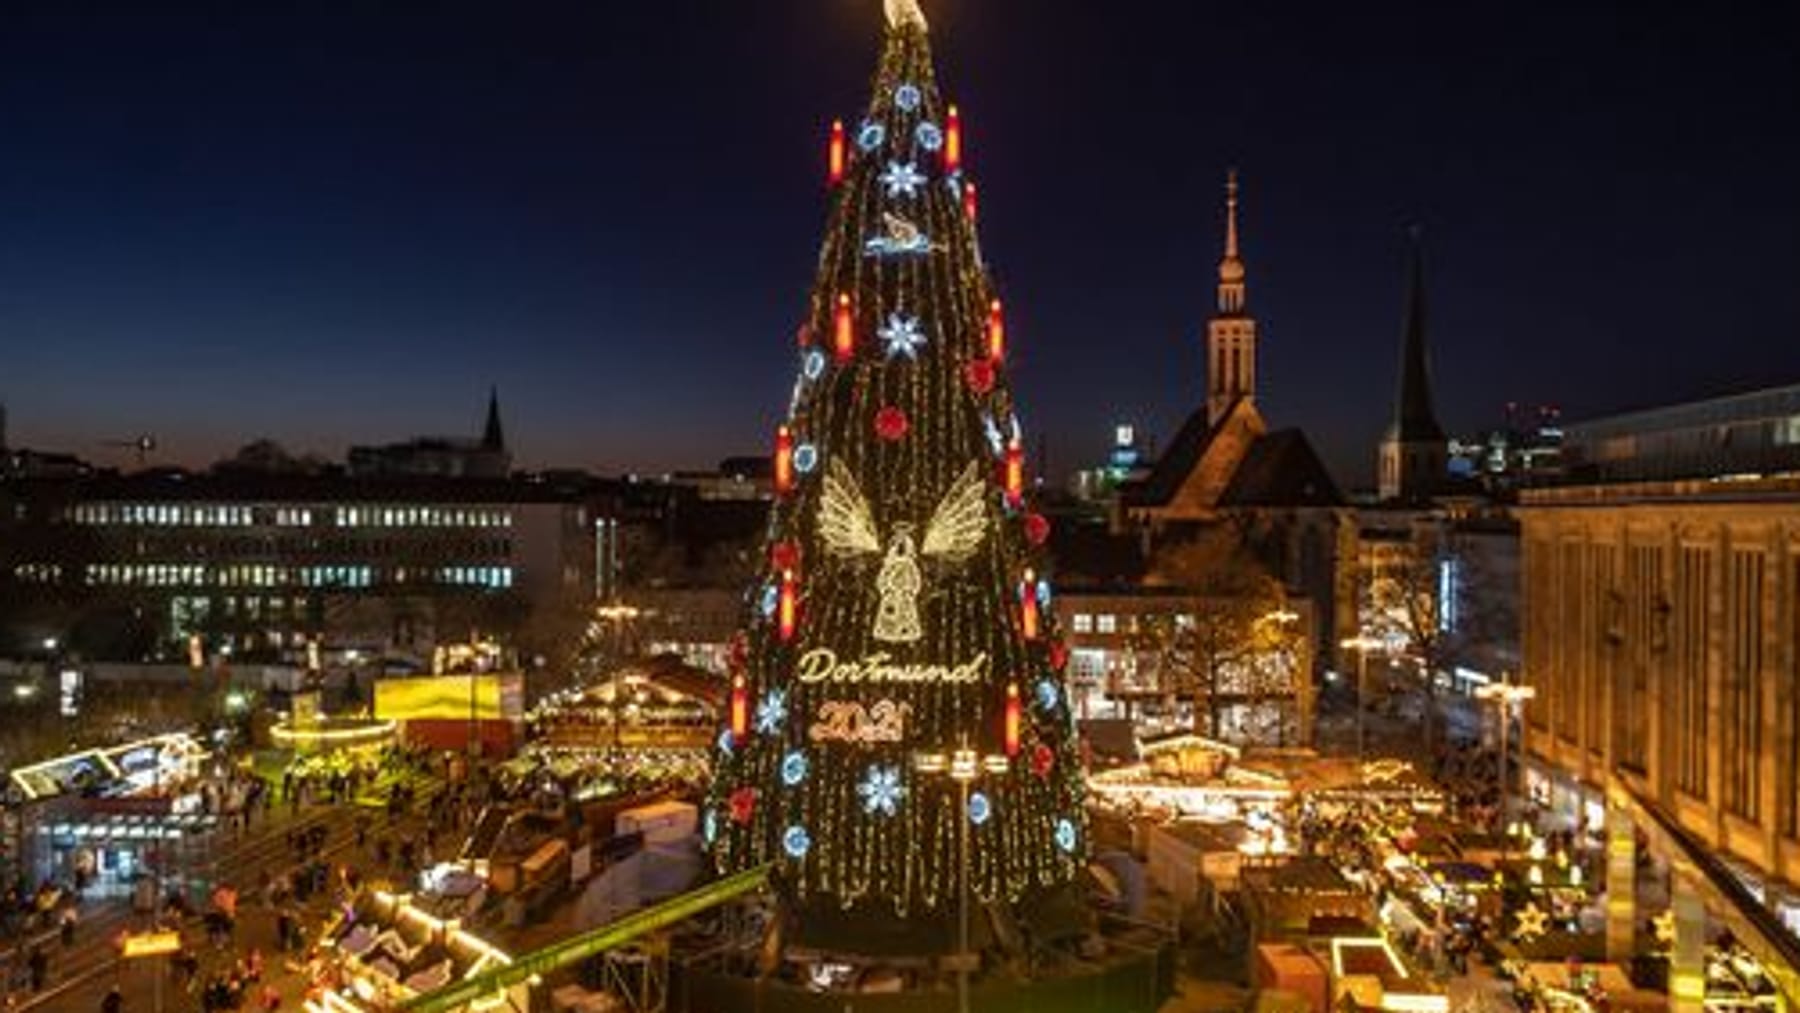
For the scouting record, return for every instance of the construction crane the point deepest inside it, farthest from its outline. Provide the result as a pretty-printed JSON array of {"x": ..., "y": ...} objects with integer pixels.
[{"x": 142, "y": 445}]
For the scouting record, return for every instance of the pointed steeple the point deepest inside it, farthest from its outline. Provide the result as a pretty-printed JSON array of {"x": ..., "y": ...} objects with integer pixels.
[
  {"x": 1231, "y": 266},
  {"x": 1414, "y": 416},
  {"x": 1231, "y": 333},
  {"x": 492, "y": 437},
  {"x": 1412, "y": 460}
]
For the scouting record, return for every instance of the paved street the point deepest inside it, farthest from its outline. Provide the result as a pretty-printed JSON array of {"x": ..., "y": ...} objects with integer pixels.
[{"x": 80, "y": 976}]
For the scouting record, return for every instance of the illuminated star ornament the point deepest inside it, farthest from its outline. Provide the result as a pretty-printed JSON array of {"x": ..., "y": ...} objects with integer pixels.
[
  {"x": 902, "y": 179},
  {"x": 881, "y": 790},
  {"x": 771, "y": 712},
  {"x": 1663, "y": 927},
  {"x": 1530, "y": 922},
  {"x": 902, "y": 337}
]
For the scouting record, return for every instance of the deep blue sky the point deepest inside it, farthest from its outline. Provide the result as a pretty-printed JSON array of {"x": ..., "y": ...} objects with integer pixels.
[{"x": 332, "y": 227}]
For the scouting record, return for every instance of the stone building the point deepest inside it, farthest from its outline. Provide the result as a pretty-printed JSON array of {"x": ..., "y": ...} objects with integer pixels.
[{"x": 1662, "y": 637}]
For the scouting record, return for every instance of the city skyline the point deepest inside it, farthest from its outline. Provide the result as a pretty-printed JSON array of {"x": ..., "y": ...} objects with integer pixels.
[{"x": 384, "y": 215}]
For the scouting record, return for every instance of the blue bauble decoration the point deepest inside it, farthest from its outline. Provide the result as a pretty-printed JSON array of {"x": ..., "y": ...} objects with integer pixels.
[
  {"x": 908, "y": 97},
  {"x": 796, "y": 841},
  {"x": 709, "y": 827},
  {"x": 806, "y": 458},
  {"x": 870, "y": 135},
  {"x": 979, "y": 808},
  {"x": 812, "y": 366},
  {"x": 1065, "y": 835},
  {"x": 793, "y": 768},
  {"x": 1047, "y": 696},
  {"x": 725, "y": 741},
  {"x": 769, "y": 599},
  {"x": 929, "y": 136}
]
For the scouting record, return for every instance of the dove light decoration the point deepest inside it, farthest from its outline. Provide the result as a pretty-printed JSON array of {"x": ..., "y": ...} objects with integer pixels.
[{"x": 906, "y": 611}]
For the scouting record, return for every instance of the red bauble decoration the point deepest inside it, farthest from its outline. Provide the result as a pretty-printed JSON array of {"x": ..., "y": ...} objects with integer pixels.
[
  {"x": 1059, "y": 655},
  {"x": 979, "y": 375},
  {"x": 743, "y": 805},
  {"x": 1037, "y": 528},
  {"x": 739, "y": 651},
  {"x": 803, "y": 336},
  {"x": 784, "y": 556},
  {"x": 1042, "y": 759},
  {"x": 891, "y": 424}
]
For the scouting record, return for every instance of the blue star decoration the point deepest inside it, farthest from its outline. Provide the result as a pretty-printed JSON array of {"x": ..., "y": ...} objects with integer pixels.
[
  {"x": 771, "y": 712},
  {"x": 902, "y": 336},
  {"x": 881, "y": 790},
  {"x": 902, "y": 179}
]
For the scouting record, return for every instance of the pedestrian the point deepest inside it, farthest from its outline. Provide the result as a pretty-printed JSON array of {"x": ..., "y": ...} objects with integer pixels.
[
  {"x": 39, "y": 963},
  {"x": 67, "y": 927},
  {"x": 114, "y": 1001}
]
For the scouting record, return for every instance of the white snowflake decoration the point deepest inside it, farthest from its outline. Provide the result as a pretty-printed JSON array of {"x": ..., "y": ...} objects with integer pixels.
[
  {"x": 881, "y": 790},
  {"x": 902, "y": 179},
  {"x": 771, "y": 712},
  {"x": 902, "y": 336}
]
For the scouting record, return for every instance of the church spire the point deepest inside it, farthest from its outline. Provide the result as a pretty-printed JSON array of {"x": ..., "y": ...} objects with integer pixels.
[
  {"x": 1231, "y": 266},
  {"x": 1411, "y": 464},
  {"x": 492, "y": 438},
  {"x": 1231, "y": 333},
  {"x": 1415, "y": 418}
]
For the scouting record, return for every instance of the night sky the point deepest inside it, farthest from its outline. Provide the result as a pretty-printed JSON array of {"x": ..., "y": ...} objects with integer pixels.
[{"x": 335, "y": 227}]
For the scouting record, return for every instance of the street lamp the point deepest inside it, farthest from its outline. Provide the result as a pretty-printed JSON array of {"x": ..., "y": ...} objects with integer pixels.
[
  {"x": 1362, "y": 644},
  {"x": 1504, "y": 694},
  {"x": 964, "y": 766}
]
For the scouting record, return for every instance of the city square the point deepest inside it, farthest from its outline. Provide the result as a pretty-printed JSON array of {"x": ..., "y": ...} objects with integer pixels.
[{"x": 1202, "y": 539}]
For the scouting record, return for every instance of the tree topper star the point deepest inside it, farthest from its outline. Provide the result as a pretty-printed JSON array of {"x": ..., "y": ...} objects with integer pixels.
[
  {"x": 902, "y": 336},
  {"x": 902, "y": 179}
]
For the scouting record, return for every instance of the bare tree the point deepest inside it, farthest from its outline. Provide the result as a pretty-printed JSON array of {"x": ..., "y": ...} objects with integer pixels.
[{"x": 1237, "y": 643}]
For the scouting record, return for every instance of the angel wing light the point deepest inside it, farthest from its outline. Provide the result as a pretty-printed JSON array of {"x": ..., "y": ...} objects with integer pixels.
[{"x": 956, "y": 530}]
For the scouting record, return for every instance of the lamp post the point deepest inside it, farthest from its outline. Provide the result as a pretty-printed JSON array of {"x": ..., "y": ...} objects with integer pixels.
[
  {"x": 1362, "y": 644},
  {"x": 963, "y": 766},
  {"x": 1504, "y": 694}
]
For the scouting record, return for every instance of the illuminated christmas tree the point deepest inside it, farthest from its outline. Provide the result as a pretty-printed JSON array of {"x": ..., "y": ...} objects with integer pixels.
[{"x": 900, "y": 618}]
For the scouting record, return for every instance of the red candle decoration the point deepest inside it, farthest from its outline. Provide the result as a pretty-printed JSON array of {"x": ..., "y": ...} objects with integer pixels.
[
  {"x": 891, "y": 424},
  {"x": 787, "y": 611},
  {"x": 971, "y": 204},
  {"x": 838, "y": 158},
  {"x": 740, "y": 709},
  {"x": 1014, "y": 479},
  {"x": 953, "y": 141},
  {"x": 1037, "y": 528},
  {"x": 979, "y": 375},
  {"x": 996, "y": 332},
  {"x": 1014, "y": 719},
  {"x": 784, "y": 460},
  {"x": 1028, "y": 606},
  {"x": 843, "y": 329}
]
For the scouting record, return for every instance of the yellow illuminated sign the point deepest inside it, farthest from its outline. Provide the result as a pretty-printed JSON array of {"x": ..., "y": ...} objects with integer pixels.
[
  {"x": 449, "y": 697},
  {"x": 149, "y": 944}
]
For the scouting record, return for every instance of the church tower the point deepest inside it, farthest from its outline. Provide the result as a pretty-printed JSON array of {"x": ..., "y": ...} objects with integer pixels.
[
  {"x": 1231, "y": 333},
  {"x": 1413, "y": 450}
]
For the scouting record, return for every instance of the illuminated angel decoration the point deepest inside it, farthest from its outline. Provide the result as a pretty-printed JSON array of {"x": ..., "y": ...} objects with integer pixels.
[{"x": 847, "y": 525}]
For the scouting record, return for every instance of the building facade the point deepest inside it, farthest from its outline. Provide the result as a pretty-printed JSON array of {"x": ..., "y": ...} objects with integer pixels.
[{"x": 138, "y": 566}]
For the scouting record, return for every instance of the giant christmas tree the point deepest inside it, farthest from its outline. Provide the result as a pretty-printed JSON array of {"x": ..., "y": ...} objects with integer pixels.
[{"x": 900, "y": 618}]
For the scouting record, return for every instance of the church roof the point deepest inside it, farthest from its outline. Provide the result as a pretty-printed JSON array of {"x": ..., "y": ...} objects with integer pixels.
[
  {"x": 1278, "y": 469},
  {"x": 1177, "y": 462},
  {"x": 1282, "y": 470}
]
